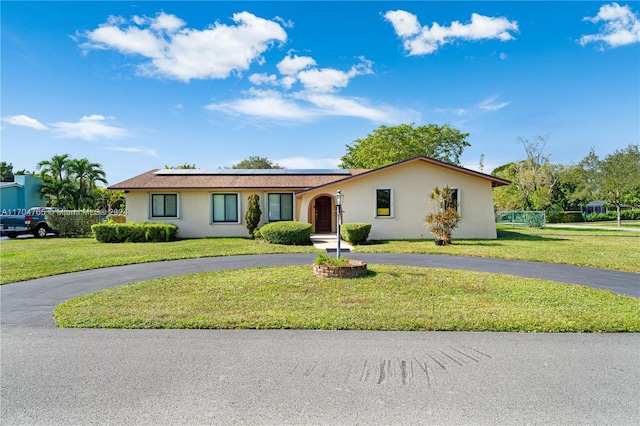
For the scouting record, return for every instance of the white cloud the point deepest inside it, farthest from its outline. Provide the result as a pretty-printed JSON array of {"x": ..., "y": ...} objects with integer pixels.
[
  {"x": 406, "y": 24},
  {"x": 24, "y": 121},
  {"x": 620, "y": 26},
  {"x": 291, "y": 65},
  {"x": 330, "y": 79},
  {"x": 316, "y": 98},
  {"x": 309, "y": 106},
  {"x": 287, "y": 23},
  {"x": 308, "y": 163},
  {"x": 420, "y": 40},
  {"x": 491, "y": 105},
  {"x": 176, "y": 52},
  {"x": 340, "y": 106},
  {"x": 503, "y": 56},
  {"x": 88, "y": 128},
  {"x": 135, "y": 150},
  {"x": 265, "y": 104},
  {"x": 261, "y": 78},
  {"x": 323, "y": 80}
]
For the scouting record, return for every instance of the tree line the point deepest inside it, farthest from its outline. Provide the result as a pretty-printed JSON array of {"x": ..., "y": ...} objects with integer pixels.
[
  {"x": 70, "y": 183},
  {"x": 537, "y": 183}
]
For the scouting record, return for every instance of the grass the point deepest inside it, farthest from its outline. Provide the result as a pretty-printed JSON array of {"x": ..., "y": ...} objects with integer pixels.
[
  {"x": 31, "y": 258},
  {"x": 617, "y": 250},
  {"x": 26, "y": 259},
  {"x": 611, "y": 223},
  {"x": 389, "y": 298}
]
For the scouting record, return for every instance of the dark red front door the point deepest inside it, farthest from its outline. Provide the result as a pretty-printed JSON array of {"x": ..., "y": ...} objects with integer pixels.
[{"x": 323, "y": 214}]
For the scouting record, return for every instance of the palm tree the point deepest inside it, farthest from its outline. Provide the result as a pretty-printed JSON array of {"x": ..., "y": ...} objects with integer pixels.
[
  {"x": 58, "y": 192},
  {"x": 86, "y": 175},
  {"x": 57, "y": 167},
  {"x": 56, "y": 184},
  {"x": 69, "y": 182}
]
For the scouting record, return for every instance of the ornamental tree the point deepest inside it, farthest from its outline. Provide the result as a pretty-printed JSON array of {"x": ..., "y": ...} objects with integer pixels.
[
  {"x": 388, "y": 145},
  {"x": 253, "y": 213}
]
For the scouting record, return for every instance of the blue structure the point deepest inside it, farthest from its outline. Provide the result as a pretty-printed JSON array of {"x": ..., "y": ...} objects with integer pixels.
[{"x": 22, "y": 194}]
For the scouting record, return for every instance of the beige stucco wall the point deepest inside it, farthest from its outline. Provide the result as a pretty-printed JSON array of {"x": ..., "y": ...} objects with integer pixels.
[
  {"x": 195, "y": 212},
  {"x": 410, "y": 184}
]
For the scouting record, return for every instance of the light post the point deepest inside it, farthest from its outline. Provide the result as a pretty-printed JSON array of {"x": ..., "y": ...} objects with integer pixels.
[{"x": 338, "y": 197}]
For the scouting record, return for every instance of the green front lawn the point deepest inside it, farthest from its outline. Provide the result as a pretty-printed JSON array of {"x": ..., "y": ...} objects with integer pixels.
[
  {"x": 389, "y": 298},
  {"x": 34, "y": 258},
  {"x": 618, "y": 250},
  {"x": 611, "y": 224},
  {"x": 25, "y": 259}
]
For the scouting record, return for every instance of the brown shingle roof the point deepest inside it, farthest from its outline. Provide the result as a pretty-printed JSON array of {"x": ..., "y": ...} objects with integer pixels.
[
  {"x": 191, "y": 180},
  {"x": 302, "y": 180}
]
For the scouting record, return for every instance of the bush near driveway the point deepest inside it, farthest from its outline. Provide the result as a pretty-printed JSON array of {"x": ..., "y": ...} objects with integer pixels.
[
  {"x": 112, "y": 232},
  {"x": 288, "y": 233},
  {"x": 355, "y": 233},
  {"x": 72, "y": 222}
]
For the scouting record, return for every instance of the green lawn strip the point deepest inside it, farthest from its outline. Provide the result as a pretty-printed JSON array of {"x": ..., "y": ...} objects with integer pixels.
[
  {"x": 27, "y": 259},
  {"x": 389, "y": 298},
  {"x": 35, "y": 258},
  {"x": 575, "y": 247},
  {"x": 609, "y": 224}
]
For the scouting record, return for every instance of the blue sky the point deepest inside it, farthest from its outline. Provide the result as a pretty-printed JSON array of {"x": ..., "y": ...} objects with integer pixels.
[{"x": 140, "y": 85}]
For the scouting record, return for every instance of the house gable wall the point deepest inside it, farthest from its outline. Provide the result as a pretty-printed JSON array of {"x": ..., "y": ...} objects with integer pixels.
[{"x": 410, "y": 184}]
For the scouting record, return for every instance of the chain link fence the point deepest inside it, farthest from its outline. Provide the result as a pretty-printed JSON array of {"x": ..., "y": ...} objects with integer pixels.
[{"x": 530, "y": 219}]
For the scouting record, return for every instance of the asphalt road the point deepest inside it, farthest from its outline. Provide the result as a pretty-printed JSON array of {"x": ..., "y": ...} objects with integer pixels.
[
  {"x": 201, "y": 377},
  {"x": 275, "y": 377}
]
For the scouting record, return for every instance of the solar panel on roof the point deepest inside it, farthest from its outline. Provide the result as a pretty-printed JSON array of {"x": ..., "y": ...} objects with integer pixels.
[{"x": 244, "y": 172}]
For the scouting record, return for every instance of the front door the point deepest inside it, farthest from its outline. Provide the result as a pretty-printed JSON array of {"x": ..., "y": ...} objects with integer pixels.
[{"x": 323, "y": 214}]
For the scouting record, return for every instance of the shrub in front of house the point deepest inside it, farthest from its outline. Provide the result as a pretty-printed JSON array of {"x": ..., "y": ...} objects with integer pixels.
[
  {"x": 112, "y": 232},
  {"x": 290, "y": 233},
  {"x": 70, "y": 223},
  {"x": 630, "y": 214},
  {"x": 355, "y": 233},
  {"x": 564, "y": 217},
  {"x": 613, "y": 215},
  {"x": 597, "y": 217},
  {"x": 118, "y": 218}
]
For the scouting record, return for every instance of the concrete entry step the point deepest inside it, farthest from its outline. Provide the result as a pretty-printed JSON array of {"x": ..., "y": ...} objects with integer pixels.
[{"x": 330, "y": 242}]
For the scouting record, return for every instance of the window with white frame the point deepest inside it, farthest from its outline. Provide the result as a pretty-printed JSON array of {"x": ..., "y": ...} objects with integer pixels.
[
  {"x": 384, "y": 203},
  {"x": 225, "y": 208},
  {"x": 164, "y": 205},
  {"x": 280, "y": 207},
  {"x": 455, "y": 200}
]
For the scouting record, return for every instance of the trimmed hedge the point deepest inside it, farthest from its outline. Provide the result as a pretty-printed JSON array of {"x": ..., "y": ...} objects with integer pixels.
[
  {"x": 71, "y": 222},
  {"x": 112, "y": 232},
  {"x": 355, "y": 233},
  {"x": 630, "y": 214},
  {"x": 613, "y": 215},
  {"x": 287, "y": 232},
  {"x": 564, "y": 217}
]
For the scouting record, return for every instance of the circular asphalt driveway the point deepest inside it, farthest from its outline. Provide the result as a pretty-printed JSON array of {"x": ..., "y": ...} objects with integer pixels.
[
  {"x": 32, "y": 302},
  {"x": 220, "y": 377}
]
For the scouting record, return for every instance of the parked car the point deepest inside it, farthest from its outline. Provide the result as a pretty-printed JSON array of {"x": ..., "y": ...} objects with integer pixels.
[{"x": 32, "y": 222}]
